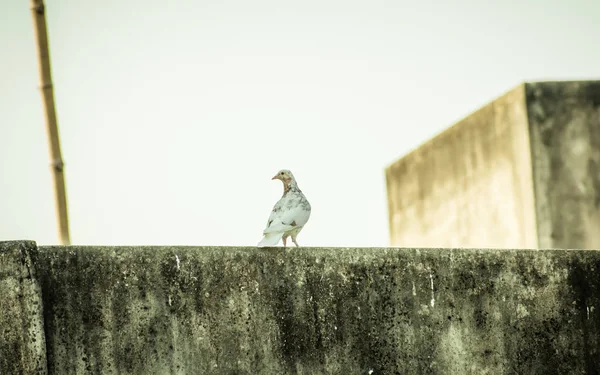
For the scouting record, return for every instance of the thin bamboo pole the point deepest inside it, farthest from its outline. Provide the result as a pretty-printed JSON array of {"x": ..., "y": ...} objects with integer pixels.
[{"x": 46, "y": 88}]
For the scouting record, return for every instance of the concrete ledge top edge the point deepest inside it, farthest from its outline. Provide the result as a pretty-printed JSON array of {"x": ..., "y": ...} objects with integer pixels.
[
  {"x": 12, "y": 244},
  {"x": 293, "y": 249},
  {"x": 33, "y": 244},
  {"x": 563, "y": 81},
  {"x": 7, "y": 242}
]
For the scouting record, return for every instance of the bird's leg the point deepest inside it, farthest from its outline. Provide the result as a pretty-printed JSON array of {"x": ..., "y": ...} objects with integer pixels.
[
  {"x": 284, "y": 239},
  {"x": 294, "y": 240}
]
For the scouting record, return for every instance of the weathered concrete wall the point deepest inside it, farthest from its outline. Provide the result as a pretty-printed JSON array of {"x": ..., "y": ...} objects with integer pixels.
[
  {"x": 22, "y": 343},
  {"x": 226, "y": 310},
  {"x": 521, "y": 172},
  {"x": 471, "y": 186},
  {"x": 564, "y": 121}
]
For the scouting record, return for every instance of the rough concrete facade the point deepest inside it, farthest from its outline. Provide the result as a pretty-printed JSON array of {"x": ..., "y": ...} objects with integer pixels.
[
  {"x": 22, "y": 344},
  {"x": 228, "y": 310},
  {"x": 470, "y": 186},
  {"x": 564, "y": 123},
  {"x": 521, "y": 172}
]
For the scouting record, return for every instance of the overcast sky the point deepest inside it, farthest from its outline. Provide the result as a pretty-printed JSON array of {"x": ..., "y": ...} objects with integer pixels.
[{"x": 174, "y": 115}]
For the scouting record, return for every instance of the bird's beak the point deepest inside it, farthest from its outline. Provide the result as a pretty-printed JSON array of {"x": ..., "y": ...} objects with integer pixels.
[{"x": 275, "y": 177}]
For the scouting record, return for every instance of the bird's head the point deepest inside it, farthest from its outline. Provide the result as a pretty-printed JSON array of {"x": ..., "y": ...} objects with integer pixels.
[{"x": 284, "y": 175}]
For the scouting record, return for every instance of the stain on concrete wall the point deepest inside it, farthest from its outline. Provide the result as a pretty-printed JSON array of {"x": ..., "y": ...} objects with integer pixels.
[
  {"x": 227, "y": 310},
  {"x": 564, "y": 121},
  {"x": 22, "y": 342}
]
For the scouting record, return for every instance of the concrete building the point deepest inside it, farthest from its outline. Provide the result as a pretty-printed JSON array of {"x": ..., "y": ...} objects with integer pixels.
[{"x": 520, "y": 172}]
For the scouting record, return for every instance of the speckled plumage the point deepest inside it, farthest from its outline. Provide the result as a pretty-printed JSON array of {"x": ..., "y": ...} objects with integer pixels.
[{"x": 289, "y": 215}]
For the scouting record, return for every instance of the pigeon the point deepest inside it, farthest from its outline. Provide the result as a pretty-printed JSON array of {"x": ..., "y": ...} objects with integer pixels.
[{"x": 289, "y": 214}]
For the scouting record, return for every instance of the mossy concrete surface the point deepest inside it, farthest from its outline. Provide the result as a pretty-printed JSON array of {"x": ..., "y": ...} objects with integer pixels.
[
  {"x": 22, "y": 345},
  {"x": 228, "y": 310},
  {"x": 564, "y": 128}
]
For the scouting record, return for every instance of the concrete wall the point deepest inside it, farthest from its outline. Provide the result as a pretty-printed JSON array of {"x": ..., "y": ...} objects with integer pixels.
[
  {"x": 521, "y": 172},
  {"x": 227, "y": 310},
  {"x": 471, "y": 186},
  {"x": 564, "y": 122},
  {"x": 22, "y": 343}
]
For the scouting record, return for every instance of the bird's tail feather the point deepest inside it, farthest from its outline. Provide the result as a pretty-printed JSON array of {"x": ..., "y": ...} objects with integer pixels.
[{"x": 270, "y": 239}]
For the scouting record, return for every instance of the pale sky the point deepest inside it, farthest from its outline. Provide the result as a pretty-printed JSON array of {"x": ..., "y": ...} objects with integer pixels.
[{"x": 174, "y": 115}]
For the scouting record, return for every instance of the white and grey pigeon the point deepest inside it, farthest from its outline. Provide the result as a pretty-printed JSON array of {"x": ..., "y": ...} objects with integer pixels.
[{"x": 289, "y": 214}]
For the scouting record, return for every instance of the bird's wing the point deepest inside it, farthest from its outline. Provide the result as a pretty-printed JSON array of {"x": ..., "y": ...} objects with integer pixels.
[
  {"x": 287, "y": 218},
  {"x": 297, "y": 214}
]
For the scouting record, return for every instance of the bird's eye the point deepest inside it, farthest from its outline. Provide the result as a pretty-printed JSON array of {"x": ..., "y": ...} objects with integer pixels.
[{"x": 281, "y": 173}]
